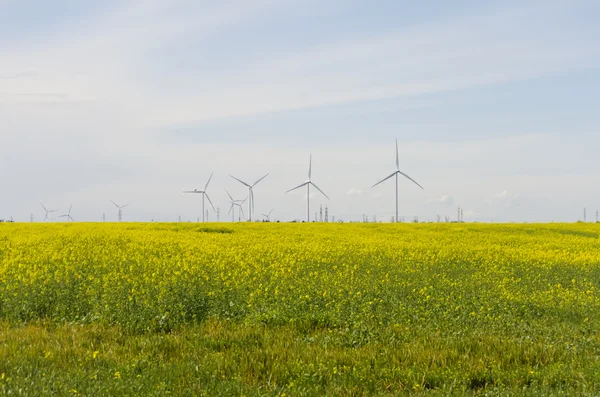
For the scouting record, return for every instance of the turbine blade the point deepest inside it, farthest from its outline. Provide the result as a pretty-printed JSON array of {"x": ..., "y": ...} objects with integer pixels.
[
  {"x": 242, "y": 210},
  {"x": 320, "y": 190},
  {"x": 252, "y": 198},
  {"x": 309, "y": 166},
  {"x": 231, "y": 208},
  {"x": 297, "y": 187},
  {"x": 70, "y": 208},
  {"x": 126, "y": 205},
  {"x": 43, "y": 207},
  {"x": 397, "y": 158},
  {"x": 211, "y": 204},
  {"x": 116, "y": 205},
  {"x": 243, "y": 201},
  {"x": 256, "y": 183},
  {"x": 71, "y": 218},
  {"x": 411, "y": 180},
  {"x": 206, "y": 186},
  {"x": 385, "y": 179},
  {"x": 240, "y": 181},
  {"x": 229, "y": 195}
]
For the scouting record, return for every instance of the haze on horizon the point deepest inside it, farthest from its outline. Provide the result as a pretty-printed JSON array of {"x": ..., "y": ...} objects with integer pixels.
[{"x": 495, "y": 107}]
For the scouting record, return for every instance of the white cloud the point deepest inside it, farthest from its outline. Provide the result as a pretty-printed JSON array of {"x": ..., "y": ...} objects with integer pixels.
[
  {"x": 445, "y": 200},
  {"x": 506, "y": 199},
  {"x": 354, "y": 192}
]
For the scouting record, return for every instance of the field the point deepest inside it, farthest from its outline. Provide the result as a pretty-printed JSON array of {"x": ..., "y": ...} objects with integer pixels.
[{"x": 299, "y": 309}]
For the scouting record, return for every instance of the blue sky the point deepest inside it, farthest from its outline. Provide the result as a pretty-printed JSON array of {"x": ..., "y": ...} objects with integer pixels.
[{"x": 495, "y": 106}]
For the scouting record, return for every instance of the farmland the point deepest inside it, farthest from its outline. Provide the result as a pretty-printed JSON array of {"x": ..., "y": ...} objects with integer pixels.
[{"x": 299, "y": 309}]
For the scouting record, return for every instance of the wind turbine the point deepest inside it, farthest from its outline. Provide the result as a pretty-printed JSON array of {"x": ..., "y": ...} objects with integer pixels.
[
  {"x": 307, "y": 184},
  {"x": 233, "y": 204},
  {"x": 47, "y": 217},
  {"x": 204, "y": 195},
  {"x": 68, "y": 215},
  {"x": 268, "y": 216},
  {"x": 396, "y": 173},
  {"x": 120, "y": 207},
  {"x": 250, "y": 194}
]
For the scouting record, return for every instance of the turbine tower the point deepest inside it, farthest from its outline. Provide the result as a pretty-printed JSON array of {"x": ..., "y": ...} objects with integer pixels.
[
  {"x": 47, "y": 217},
  {"x": 307, "y": 184},
  {"x": 396, "y": 173},
  {"x": 250, "y": 194},
  {"x": 68, "y": 215},
  {"x": 204, "y": 195},
  {"x": 120, "y": 207}
]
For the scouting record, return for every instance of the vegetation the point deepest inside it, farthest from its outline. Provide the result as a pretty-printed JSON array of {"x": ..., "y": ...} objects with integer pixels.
[{"x": 299, "y": 309}]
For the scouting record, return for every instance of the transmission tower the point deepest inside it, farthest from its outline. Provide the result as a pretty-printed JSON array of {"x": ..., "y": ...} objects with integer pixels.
[
  {"x": 31, "y": 218},
  {"x": 218, "y": 213},
  {"x": 321, "y": 214},
  {"x": 326, "y": 214},
  {"x": 584, "y": 214}
]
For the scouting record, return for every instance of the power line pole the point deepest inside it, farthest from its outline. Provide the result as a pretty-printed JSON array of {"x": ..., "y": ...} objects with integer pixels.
[
  {"x": 321, "y": 214},
  {"x": 326, "y": 214},
  {"x": 31, "y": 218},
  {"x": 584, "y": 214},
  {"x": 218, "y": 213}
]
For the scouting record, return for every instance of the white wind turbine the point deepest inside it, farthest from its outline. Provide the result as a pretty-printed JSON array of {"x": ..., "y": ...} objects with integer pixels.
[
  {"x": 250, "y": 194},
  {"x": 396, "y": 173},
  {"x": 233, "y": 204},
  {"x": 307, "y": 184},
  {"x": 268, "y": 216},
  {"x": 120, "y": 207},
  {"x": 204, "y": 194},
  {"x": 240, "y": 205},
  {"x": 68, "y": 215},
  {"x": 47, "y": 217}
]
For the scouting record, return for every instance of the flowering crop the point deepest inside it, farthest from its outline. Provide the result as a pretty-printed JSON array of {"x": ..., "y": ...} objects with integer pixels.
[{"x": 349, "y": 286}]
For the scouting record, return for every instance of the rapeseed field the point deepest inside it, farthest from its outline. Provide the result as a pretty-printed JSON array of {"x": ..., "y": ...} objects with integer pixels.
[{"x": 299, "y": 309}]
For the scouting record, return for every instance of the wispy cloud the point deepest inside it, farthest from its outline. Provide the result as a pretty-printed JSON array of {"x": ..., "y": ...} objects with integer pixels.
[
  {"x": 445, "y": 200},
  {"x": 354, "y": 192}
]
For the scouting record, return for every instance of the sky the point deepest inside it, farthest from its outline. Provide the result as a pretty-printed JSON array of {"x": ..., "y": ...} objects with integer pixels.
[{"x": 495, "y": 106}]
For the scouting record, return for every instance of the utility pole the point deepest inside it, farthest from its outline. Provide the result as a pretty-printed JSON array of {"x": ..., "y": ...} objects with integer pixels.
[
  {"x": 462, "y": 215},
  {"x": 179, "y": 218},
  {"x": 584, "y": 215}
]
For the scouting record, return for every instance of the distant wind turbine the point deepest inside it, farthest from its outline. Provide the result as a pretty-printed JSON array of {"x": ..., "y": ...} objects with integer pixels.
[
  {"x": 233, "y": 204},
  {"x": 120, "y": 207},
  {"x": 240, "y": 205},
  {"x": 396, "y": 173},
  {"x": 307, "y": 184},
  {"x": 68, "y": 215},
  {"x": 268, "y": 216},
  {"x": 204, "y": 194},
  {"x": 250, "y": 194},
  {"x": 47, "y": 217}
]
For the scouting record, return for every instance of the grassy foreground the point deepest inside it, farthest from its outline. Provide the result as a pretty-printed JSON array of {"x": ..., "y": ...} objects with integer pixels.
[{"x": 319, "y": 309}]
